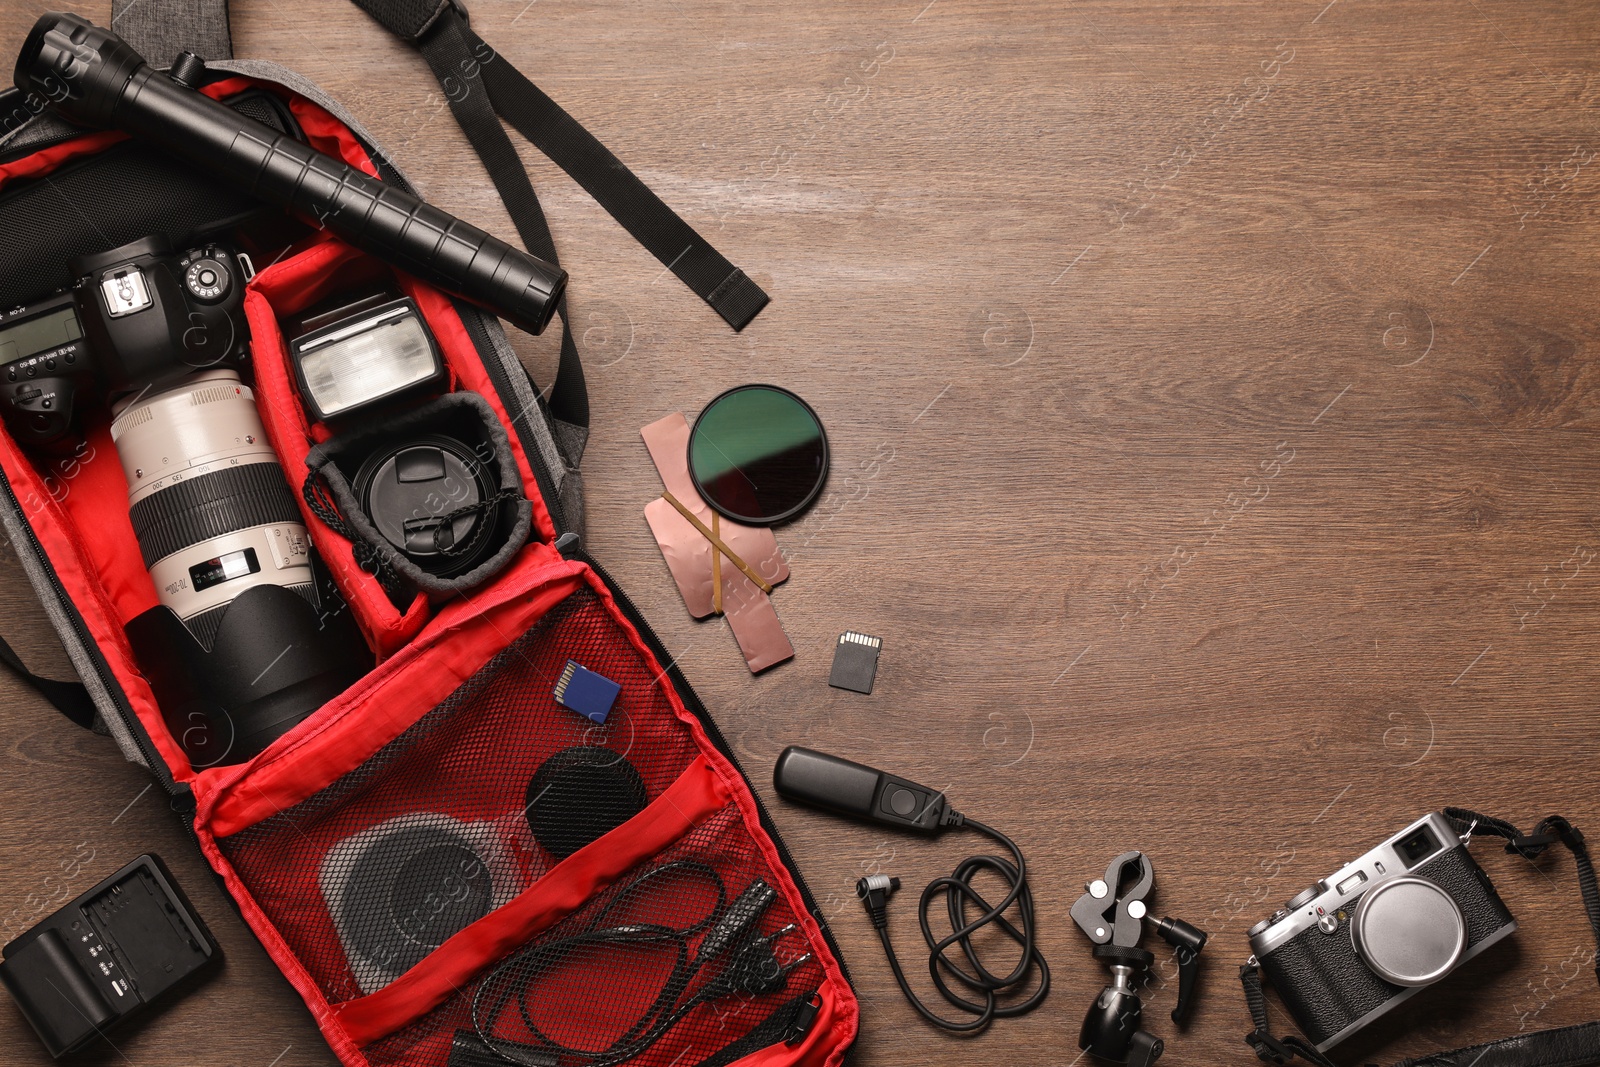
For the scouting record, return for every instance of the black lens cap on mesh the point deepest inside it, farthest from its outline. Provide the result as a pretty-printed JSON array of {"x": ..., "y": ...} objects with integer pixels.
[
  {"x": 579, "y": 795},
  {"x": 758, "y": 455},
  {"x": 410, "y": 890}
]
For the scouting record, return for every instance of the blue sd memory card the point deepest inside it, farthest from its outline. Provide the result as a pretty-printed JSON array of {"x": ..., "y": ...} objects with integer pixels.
[{"x": 585, "y": 692}]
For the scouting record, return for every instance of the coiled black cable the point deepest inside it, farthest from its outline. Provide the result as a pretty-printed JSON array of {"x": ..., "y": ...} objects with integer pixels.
[
  {"x": 730, "y": 946},
  {"x": 960, "y": 896}
]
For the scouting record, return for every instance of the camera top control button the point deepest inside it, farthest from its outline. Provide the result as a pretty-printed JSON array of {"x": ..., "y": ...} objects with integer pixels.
[
  {"x": 1305, "y": 896},
  {"x": 1258, "y": 927},
  {"x": 207, "y": 279},
  {"x": 1329, "y": 923}
]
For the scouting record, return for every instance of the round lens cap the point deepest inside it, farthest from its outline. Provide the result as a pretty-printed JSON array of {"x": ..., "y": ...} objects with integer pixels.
[
  {"x": 758, "y": 455},
  {"x": 1410, "y": 931},
  {"x": 409, "y": 488}
]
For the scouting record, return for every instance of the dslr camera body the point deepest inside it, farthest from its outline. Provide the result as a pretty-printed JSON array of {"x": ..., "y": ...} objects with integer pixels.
[
  {"x": 1355, "y": 945},
  {"x": 140, "y": 317}
]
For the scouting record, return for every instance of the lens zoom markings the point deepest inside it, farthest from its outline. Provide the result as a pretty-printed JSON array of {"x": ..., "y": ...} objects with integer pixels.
[{"x": 212, "y": 505}]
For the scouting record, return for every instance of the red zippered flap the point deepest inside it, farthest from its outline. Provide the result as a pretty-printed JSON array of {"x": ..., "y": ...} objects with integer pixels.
[{"x": 450, "y": 810}]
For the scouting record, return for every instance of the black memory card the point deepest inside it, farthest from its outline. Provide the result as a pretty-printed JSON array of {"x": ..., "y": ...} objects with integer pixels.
[{"x": 855, "y": 662}]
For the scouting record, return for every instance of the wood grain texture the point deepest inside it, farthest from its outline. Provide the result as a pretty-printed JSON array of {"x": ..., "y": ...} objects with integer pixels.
[{"x": 1214, "y": 407}]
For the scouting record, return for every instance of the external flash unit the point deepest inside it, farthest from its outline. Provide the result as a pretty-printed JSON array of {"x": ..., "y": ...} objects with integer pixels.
[{"x": 363, "y": 354}]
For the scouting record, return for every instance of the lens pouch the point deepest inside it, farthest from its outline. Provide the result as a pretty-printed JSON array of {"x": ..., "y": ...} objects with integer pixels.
[{"x": 430, "y": 498}]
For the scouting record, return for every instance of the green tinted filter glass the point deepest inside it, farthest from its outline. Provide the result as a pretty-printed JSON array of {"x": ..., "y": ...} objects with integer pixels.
[{"x": 758, "y": 455}]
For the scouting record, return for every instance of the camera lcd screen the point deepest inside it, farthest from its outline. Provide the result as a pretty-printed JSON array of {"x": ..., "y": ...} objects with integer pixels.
[
  {"x": 224, "y": 568},
  {"x": 1417, "y": 846},
  {"x": 37, "y": 334}
]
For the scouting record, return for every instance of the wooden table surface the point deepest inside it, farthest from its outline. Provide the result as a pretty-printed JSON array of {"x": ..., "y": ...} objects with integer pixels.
[{"x": 1213, "y": 412}]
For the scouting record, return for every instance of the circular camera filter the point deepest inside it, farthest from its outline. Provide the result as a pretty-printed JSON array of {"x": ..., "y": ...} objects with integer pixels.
[
  {"x": 758, "y": 455},
  {"x": 579, "y": 795},
  {"x": 1409, "y": 931}
]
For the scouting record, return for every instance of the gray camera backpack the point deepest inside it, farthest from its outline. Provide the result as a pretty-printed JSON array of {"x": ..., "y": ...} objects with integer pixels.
[{"x": 427, "y": 854}]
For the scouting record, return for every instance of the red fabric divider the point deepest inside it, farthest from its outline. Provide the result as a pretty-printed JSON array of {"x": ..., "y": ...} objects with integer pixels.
[
  {"x": 287, "y": 287},
  {"x": 301, "y": 281},
  {"x": 694, "y": 797},
  {"x": 353, "y": 727}
]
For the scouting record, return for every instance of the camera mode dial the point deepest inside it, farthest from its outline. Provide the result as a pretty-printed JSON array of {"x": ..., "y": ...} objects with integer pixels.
[{"x": 208, "y": 279}]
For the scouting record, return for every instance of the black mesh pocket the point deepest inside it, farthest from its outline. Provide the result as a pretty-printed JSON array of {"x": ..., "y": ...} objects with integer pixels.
[
  {"x": 690, "y": 957},
  {"x": 466, "y": 808}
]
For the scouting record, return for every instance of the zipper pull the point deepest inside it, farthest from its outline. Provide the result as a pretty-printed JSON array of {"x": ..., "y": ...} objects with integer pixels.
[
  {"x": 568, "y": 543},
  {"x": 183, "y": 803},
  {"x": 805, "y": 1015}
]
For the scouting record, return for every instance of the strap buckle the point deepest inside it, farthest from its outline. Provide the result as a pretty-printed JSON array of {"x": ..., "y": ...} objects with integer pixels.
[{"x": 1268, "y": 1048}]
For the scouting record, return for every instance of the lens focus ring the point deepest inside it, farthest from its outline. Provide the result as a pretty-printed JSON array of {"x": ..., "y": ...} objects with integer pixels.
[{"x": 211, "y": 505}]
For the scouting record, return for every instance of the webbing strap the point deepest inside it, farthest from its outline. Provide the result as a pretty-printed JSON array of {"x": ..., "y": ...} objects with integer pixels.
[
  {"x": 450, "y": 55},
  {"x": 69, "y": 698},
  {"x": 483, "y": 87},
  {"x": 549, "y": 128}
]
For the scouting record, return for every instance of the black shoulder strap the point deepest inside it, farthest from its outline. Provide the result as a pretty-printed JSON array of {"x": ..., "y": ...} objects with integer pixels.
[
  {"x": 69, "y": 698},
  {"x": 482, "y": 88},
  {"x": 1569, "y": 1046},
  {"x": 450, "y": 56},
  {"x": 464, "y": 63}
]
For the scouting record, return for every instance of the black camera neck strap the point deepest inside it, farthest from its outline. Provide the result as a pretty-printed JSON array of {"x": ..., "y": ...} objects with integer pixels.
[{"x": 1568, "y": 1046}]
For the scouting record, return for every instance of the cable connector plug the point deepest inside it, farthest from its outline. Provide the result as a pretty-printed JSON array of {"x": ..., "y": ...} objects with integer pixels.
[
  {"x": 754, "y": 968},
  {"x": 874, "y": 892}
]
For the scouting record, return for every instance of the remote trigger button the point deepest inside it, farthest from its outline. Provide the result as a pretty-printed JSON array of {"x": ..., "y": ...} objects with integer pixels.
[{"x": 903, "y": 802}]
